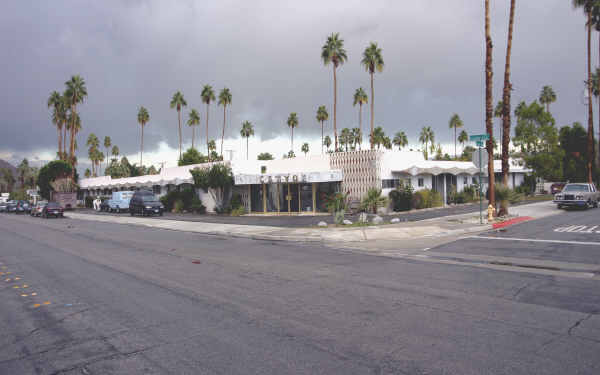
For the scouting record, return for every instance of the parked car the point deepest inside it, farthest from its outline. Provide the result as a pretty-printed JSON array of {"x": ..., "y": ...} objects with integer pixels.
[
  {"x": 52, "y": 209},
  {"x": 23, "y": 207},
  {"x": 3, "y": 206},
  {"x": 582, "y": 195},
  {"x": 144, "y": 202},
  {"x": 104, "y": 207},
  {"x": 38, "y": 208},
  {"x": 120, "y": 201},
  {"x": 11, "y": 206},
  {"x": 556, "y": 188}
]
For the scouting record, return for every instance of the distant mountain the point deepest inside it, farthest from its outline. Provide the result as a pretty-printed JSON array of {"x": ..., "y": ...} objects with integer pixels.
[{"x": 5, "y": 164}]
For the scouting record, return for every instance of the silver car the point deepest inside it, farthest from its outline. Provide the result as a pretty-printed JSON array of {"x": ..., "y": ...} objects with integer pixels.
[{"x": 582, "y": 195}]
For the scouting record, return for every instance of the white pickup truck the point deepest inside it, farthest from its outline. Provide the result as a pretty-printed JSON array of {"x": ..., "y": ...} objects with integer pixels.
[{"x": 584, "y": 195}]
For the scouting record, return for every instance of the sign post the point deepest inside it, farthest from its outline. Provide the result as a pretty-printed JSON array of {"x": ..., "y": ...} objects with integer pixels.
[{"x": 479, "y": 160}]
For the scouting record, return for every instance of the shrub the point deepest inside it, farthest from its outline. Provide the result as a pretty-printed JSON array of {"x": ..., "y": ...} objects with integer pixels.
[
  {"x": 373, "y": 200},
  {"x": 186, "y": 196},
  {"x": 216, "y": 180},
  {"x": 89, "y": 202},
  {"x": 178, "y": 206},
  {"x": 238, "y": 211},
  {"x": 236, "y": 201},
  {"x": 426, "y": 199},
  {"x": 191, "y": 156},
  {"x": 336, "y": 202},
  {"x": 18, "y": 195},
  {"x": 470, "y": 193},
  {"x": 402, "y": 197},
  {"x": 197, "y": 207}
]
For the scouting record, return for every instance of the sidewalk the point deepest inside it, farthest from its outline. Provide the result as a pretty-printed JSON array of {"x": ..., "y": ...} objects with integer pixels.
[{"x": 454, "y": 225}]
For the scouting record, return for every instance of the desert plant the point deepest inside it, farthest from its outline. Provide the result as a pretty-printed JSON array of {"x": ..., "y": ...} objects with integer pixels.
[
  {"x": 239, "y": 211},
  {"x": 502, "y": 195},
  {"x": 216, "y": 180},
  {"x": 426, "y": 199},
  {"x": 373, "y": 200}
]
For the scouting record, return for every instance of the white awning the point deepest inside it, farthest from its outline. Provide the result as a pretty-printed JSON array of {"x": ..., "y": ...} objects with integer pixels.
[
  {"x": 438, "y": 167},
  {"x": 273, "y": 178}
]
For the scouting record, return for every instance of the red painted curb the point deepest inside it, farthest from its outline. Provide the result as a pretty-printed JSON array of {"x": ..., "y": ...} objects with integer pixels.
[{"x": 511, "y": 222}]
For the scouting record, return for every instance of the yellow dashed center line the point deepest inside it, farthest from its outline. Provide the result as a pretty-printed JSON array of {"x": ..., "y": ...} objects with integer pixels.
[
  {"x": 46, "y": 303},
  {"x": 36, "y": 305},
  {"x": 34, "y": 294},
  {"x": 24, "y": 295}
]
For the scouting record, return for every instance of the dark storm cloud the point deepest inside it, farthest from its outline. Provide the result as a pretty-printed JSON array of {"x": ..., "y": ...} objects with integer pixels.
[{"x": 134, "y": 53}]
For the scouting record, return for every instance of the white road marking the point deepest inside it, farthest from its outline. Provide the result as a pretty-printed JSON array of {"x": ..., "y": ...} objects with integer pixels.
[
  {"x": 534, "y": 240},
  {"x": 577, "y": 229}
]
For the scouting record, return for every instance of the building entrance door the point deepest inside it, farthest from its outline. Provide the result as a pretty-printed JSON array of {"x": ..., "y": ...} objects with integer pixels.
[{"x": 289, "y": 198}]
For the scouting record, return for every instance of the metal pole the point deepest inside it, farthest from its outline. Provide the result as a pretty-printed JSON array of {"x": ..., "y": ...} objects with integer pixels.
[{"x": 480, "y": 193}]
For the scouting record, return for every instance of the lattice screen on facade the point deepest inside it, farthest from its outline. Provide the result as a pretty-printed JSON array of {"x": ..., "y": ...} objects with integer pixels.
[{"x": 361, "y": 170}]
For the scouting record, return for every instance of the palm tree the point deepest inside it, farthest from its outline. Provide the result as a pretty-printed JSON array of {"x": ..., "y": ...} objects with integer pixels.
[
  {"x": 322, "y": 116},
  {"x": 193, "y": 121},
  {"x": 76, "y": 93},
  {"x": 292, "y": 122},
  {"x": 360, "y": 98},
  {"x": 177, "y": 102},
  {"x": 93, "y": 144},
  {"x": 356, "y": 135},
  {"x": 426, "y": 137},
  {"x": 55, "y": 101},
  {"x": 372, "y": 61},
  {"x": 327, "y": 142},
  {"x": 87, "y": 173},
  {"x": 519, "y": 109},
  {"x": 400, "y": 140},
  {"x": 208, "y": 95},
  {"x": 378, "y": 137},
  {"x": 345, "y": 138},
  {"x": 305, "y": 148},
  {"x": 489, "y": 126},
  {"x": 462, "y": 138},
  {"x": 506, "y": 98},
  {"x": 333, "y": 52},
  {"x": 224, "y": 100},
  {"x": 143, "y": 117},
  {"x": 107, "y": 144},
  {"x": 455, "y": 123},
  {"x": 246, "y": 132},
  {"x": 547, "y": 96},
  {"x": 212, "y": 148},
  {"x": 115, "y": 152},
  {"x": 387, "y": 143}
]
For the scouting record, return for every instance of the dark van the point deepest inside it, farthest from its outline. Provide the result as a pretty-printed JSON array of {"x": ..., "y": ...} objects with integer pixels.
[{"x": 144, "y": 202}]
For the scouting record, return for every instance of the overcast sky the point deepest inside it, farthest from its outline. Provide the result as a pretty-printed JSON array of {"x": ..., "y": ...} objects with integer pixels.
[{"x": 134, "y": 53}]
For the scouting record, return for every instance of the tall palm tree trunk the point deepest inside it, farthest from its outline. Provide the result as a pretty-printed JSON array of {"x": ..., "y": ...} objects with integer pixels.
[
  {"x": 506, "y": 98},
  {"x": 292, "y": 139},
  {"x": 223, "y": 133},
  {"x": 590, "y": 135},
  {"x": 335, "y": 108},
  {"x": 372, "y": 109},
  {"x": 59, "y": 141},
  {"x": 179, "y": 122},
  {"x": 64, "y": 145},
  {"x": 360, "y": 125},
  {"x": 247, "y": 148},
  {"x": 142, "y": 147},
  {"x": 489, "y": 114},
  {"x": 193, "y": 135},
  {"x": 207, "y": 150},
  {"x": 455, "y": 155},
  {"x": 322, "y": 140}
]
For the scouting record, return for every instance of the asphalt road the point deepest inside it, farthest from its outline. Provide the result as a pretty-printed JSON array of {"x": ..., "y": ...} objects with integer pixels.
[
  {"x": 113, "y": 299},
  {"x": 307, "y": 221}
]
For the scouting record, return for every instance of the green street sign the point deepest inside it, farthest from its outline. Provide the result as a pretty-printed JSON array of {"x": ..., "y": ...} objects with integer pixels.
[
  {"x": 480, "y": 137},
  {"x": 479, "y": 143}
]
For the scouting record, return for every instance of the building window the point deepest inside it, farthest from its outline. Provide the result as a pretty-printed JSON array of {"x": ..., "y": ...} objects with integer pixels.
[
  {"x": 421, "y": 182},
  {"x": 465, "y": 180},
  {"x": 156, "y": 189},
  {"x": 474, "y": 180}
]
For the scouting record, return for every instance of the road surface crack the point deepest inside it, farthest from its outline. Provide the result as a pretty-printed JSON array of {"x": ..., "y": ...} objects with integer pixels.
[{"x": 577, "y": 323}]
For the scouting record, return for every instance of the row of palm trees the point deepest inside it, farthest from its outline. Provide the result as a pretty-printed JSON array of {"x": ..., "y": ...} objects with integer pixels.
[{"x": 65, "y": 117}]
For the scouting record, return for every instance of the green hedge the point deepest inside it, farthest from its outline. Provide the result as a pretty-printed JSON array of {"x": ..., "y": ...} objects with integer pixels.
[{"x": 183, "y": 200}]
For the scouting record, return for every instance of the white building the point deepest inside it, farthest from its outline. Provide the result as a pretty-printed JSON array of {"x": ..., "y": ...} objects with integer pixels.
[{"x": 302, "y": 184}]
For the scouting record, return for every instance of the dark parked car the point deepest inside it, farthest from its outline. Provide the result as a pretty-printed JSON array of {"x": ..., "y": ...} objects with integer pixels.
[
  {"x": 144, "y": 202},
  {"x": 52, "y": 209},
  {"x": 3, "y": 206},
  {"x": 23, "y": 207}
]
